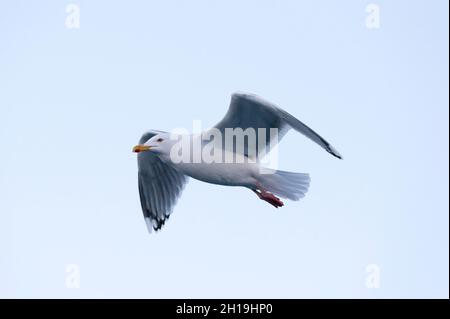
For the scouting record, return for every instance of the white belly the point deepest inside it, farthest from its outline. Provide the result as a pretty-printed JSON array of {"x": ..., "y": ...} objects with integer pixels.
[
  {"x": 230, "y": 169},
  {"x": 221, "y": 173}
]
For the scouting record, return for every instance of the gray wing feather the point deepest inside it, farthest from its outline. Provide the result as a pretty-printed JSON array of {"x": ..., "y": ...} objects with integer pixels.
[
  {"x": 160, "y": 185},
  {"x": 247, "y": 110}
]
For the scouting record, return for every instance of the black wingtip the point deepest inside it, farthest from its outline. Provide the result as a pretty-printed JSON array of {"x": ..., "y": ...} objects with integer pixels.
[{"x": 334, "y": 152}]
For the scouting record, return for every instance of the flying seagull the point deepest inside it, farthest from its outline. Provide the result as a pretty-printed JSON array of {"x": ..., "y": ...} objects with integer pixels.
[{"x": 161, "y": 179}]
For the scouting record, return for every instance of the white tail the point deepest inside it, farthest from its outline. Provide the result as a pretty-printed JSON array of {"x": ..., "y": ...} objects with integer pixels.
[{"x": 288, "y": 185}]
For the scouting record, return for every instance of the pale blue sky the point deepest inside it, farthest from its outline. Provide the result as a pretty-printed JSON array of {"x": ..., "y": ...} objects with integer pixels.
[{"x": 74, "y": 101}]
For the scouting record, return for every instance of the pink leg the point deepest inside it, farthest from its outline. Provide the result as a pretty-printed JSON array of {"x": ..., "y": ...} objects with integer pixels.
[{"x": 268, "y": 197}]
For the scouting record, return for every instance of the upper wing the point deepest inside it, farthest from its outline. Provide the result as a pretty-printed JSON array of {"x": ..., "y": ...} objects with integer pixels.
[
  {"x": 250, "y": 111},
  {"x": 159, "y": 186}
]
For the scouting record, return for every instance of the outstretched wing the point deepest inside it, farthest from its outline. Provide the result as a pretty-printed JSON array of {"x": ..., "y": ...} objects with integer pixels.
[
  {"x": 160, "y": 185},
  {"x": 250, "y": 111}
]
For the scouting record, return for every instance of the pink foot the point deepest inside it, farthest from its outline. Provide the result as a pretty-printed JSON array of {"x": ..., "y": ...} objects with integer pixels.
[{"x": 270, "y": 198}]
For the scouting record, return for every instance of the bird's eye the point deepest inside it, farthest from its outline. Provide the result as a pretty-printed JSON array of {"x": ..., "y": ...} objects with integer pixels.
[{"x": 159, "y": 140}]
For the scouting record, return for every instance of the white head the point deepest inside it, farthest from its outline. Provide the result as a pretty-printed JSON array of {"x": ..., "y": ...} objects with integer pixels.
[{"x": 160, "y": 143}]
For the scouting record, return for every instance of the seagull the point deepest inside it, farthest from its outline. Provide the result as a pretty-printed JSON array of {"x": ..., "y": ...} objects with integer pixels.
[{"x": 161, "y": 179}]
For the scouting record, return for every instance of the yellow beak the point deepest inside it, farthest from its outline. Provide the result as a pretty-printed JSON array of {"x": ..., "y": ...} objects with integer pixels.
[{"x": 141, "y": 148}]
